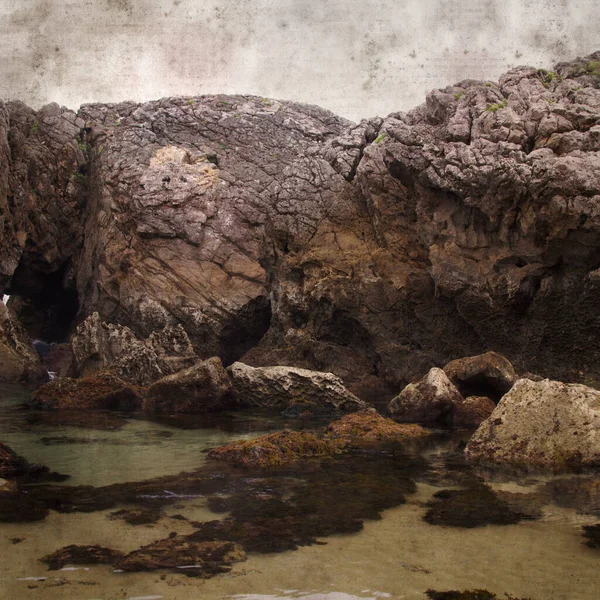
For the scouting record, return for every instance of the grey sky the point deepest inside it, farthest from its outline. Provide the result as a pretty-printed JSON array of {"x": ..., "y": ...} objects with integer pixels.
[{"x": 358, "y": 58}]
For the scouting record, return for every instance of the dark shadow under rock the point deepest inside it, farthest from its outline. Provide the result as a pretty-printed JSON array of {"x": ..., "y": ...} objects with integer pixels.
[
  {"x": 81, "y": 555},
  {"x": 475, "y": 506}
]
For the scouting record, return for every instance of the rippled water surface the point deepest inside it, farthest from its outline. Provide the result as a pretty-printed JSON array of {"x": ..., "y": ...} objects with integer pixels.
[{"x": 389, "y": 523}]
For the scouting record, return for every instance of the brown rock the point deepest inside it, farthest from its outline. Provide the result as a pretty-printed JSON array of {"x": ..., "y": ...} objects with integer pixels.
[
  {"x": 472, "y": 411},
  {"x": 205, "y": 387},
  {"x": 489, "y": 374},
  {"x": 368, "y": 427},
  {"x": 285, "y": 235},
  {"x": 20, "y": 362},
  {"x": 276, "y": 449},
  {"x": 103, "y": 390},
  {"x": 431, "y": 401}
]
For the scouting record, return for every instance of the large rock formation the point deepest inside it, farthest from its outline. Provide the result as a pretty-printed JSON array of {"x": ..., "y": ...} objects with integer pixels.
[
  {"x": 282, "y": 234},
  {"x": 542, "y": 423}
]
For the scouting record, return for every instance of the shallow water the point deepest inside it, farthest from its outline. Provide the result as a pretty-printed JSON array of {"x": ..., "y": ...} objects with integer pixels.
[{"x": 380, "y": 531}]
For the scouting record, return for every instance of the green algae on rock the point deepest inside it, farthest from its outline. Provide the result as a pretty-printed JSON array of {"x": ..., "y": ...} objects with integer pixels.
[{"x": 276, "y": 449}]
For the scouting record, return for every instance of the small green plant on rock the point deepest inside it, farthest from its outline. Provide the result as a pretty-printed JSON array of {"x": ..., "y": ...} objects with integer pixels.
[
  {"x": 458, "y": 95},
  {"x": 593, "y": 67},
  {"x": 497, "y": 106},
  {"x": 380, "y": 137},
  {"x": 35, "y": 127}
]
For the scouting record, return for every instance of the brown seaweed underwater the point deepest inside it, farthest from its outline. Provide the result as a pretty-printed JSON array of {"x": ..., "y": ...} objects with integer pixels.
[{"x": 213, "y": 521}]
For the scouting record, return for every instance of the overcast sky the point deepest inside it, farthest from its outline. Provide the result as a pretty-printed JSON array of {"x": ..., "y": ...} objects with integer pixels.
[{"x": 358, "y": 58}]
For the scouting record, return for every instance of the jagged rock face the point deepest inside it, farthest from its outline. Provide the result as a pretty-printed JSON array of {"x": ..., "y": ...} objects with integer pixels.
[
  {"x": 182, "y": 195},
  {"x": 98, "y": 346},
  {"x": 284, "y": 235},
  {"x": 42, "y": 180},
  {"x": 541, "y": 423},
  {"x": 485, "y": 222},
  {"x": 19, "y": 362}
]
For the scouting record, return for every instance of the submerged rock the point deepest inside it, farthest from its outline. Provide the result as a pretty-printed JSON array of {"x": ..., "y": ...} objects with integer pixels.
[
  {"x": 20, "y": 362},
  {"x": 541, "y": 424},
  {"x": 431, "y": 401},
  {"x": 204, "y": 387},
  {"x": 12, "y": 465},
  {"x": 181, "y": 554},
  {"x": 489, "y": 374},
  {"x": 139, "y": 516},
  {"x": 591, "y": 533},
  {"x": 81, "y": 555},
  {"x": 368, "y": 427},
  {"x": 475, "y": 506},
  {"x": 103, "y": 390},
  {"x": 276, "y": 449},
  {"x": 297, "y": 391}
]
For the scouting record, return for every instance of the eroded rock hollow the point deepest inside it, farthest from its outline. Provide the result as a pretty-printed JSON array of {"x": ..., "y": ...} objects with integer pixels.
[{"x": 280, "y": 234}]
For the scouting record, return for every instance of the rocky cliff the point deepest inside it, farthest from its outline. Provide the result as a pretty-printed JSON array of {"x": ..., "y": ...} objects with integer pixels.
[{"x": 279, "y": 233}]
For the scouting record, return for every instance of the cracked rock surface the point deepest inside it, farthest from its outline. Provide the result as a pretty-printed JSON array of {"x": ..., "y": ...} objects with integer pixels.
[{"x": 280, "y": 234}]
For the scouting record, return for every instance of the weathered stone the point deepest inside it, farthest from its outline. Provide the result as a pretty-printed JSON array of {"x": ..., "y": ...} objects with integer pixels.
[
  {"x": 472, "y": 411},
  {"x": 276, "y": 449},
  {"x": 205, "y": 387},
  {"x": 18, "y": 359},
  {"x": 98, "y": 346},
  {"x": 541, "y": 423},
  {"x": 296, "y": 390},
  {"x": 368, "y": 427},
  {"x": 489, "y": 374},
  {"x": 431, "y": 401},
  {"x": 104, "y": 390}
]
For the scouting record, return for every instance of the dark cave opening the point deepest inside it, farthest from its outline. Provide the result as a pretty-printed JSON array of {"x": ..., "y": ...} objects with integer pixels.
[
  {"x": 44, "y": 306},
  {"x": 245, "y": 329}
]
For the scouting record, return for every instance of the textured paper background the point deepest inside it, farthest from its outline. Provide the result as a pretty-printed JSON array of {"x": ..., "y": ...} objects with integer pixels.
[{"x": 355, "y": 57}]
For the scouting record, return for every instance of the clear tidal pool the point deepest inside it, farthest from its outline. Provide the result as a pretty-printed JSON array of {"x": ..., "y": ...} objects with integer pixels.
[{"x": 387, "y": 523}]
